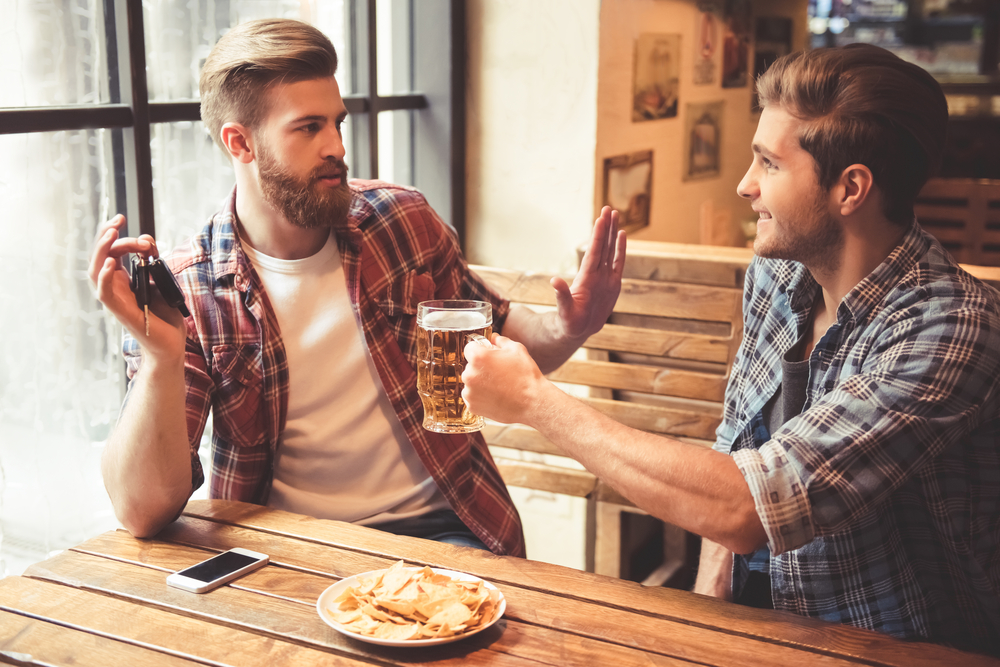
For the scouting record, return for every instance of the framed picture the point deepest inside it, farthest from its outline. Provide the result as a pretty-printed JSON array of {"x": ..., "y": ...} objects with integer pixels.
[
  {"x": 736, "y": 43},
  {"x": 702, "y": 140},
  {"x": 706, "y": 43},
  {"x": 656, "y": 77},
  {"x": 628, "y": 182}
]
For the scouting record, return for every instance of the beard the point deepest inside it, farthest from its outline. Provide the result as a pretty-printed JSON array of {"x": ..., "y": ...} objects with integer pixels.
[
  {"x": 817, "y": 244},
  {"x": 303, "y": 202}
]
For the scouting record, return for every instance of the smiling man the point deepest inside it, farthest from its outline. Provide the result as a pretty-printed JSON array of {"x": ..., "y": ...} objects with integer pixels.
[
  {"x": 301, "y": 342},
  {"x": 856, "y": 471}
]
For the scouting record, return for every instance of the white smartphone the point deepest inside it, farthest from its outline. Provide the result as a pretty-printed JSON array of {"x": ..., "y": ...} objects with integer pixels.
[{"x": 217, "y": 570}]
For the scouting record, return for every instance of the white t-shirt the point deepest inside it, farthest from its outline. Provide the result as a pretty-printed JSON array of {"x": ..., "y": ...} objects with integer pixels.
[{"x": 343, "y": 454}]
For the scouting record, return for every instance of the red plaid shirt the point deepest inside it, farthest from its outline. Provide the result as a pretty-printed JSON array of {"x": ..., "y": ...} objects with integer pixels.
[{"x": 396, "y": 253}]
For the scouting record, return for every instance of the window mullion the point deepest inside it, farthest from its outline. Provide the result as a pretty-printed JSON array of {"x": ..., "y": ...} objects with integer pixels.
[{"x": 138, "y": 161}]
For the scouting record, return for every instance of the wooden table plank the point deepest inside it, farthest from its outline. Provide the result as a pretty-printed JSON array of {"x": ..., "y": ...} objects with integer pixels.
[
  {"x": 625, "y": 628},
  {"x": 696, "y": 610},
  {"x": 138, "y": 625},
  {"x": 252, "y": 612},
  {"x": 28, "y": 641}
]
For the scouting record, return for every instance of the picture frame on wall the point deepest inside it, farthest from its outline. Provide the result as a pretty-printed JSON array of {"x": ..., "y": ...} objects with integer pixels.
[
  {"x": 736, "y": 43},
  {"x": 656, "y": 77},
  {"x": 628, "y": 182},
  {"x": 702, "y": 140},
  {"x": 706, "y": 43}
]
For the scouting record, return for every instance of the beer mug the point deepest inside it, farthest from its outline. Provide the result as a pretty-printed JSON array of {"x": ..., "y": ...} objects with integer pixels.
[{"x": 443, "y": 329}]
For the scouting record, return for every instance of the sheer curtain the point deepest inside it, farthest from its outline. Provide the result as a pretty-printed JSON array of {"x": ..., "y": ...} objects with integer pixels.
[{"x": 61, "y": 374}]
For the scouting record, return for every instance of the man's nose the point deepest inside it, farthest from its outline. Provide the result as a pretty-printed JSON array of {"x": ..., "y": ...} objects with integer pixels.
[
  {"x": 748, "y": 186},
  {"x": 334, "y": 144}
]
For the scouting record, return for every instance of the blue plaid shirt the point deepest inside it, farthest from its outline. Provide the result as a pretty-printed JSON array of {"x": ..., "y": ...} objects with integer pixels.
[{"x": 881, "y": 500}]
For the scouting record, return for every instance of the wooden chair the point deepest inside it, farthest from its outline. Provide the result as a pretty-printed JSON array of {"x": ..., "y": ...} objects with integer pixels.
[
  {"x": 964, "y": 214},
  {"x": 660, "y": 365}
]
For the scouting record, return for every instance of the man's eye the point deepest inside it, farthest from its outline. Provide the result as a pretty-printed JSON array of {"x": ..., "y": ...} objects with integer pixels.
[
  {"x": 311, "y": 127},
  {"x": 767, "y": 163}
]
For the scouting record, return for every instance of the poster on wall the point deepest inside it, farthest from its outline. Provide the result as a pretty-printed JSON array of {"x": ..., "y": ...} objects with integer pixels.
[
  {"x": 736, "y": 43},
  {"x": 706, "y": 43},
  {"x": 628, "y": 182},
  {"x": 702, "y": 140},
  {"x": 772, "y": 39},
  {"x": 656, "y": 77}
]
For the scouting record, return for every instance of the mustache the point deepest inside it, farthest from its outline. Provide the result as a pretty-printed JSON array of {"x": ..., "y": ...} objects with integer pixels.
[{"x": 333, "y": 167}]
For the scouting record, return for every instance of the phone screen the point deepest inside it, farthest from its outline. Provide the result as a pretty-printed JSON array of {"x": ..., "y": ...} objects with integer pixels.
[{"x": 218, "y": 566}]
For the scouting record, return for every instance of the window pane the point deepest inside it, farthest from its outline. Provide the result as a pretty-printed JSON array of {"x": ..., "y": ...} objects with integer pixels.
[
  {"x": 52, "y": 53},
  {"x": 191, "y": 177},
  {"x": 179, "y": 36},
  {"x": 394, "y": 46},
  {"x": 395, "y": 146},
  {"x": 61, "y": 380}
]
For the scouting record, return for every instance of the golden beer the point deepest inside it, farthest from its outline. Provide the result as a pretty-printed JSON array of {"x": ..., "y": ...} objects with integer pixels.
[{"x": 443, "y": 330}]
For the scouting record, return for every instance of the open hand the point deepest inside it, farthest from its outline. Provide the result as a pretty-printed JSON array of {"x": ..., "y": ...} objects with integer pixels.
[{"x": 583, "y": 307}]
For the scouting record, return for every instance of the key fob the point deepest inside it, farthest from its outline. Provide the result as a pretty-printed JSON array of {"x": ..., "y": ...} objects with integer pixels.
[
  {"x": 140, "y": 281},
  {"x": 167, "y": 284}
]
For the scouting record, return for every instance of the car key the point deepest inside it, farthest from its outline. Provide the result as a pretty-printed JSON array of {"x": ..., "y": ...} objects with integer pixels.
[
  {"x": 140, "y": 286},
  {"x": 165, "y": 282}
]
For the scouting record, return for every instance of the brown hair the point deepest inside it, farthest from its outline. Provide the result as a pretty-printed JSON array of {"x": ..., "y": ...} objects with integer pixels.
[
  {"x": 252, "y": 57},
  {"x": 863, "y": 105}
]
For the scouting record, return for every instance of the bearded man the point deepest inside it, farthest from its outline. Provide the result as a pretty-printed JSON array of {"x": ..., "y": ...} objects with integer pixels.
[{"x": 303, "y": 293}]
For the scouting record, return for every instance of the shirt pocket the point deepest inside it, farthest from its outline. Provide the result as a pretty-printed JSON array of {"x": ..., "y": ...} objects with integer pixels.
[
  {"x": 238, "y": 414},
  {"x": 402, "y": 296}
]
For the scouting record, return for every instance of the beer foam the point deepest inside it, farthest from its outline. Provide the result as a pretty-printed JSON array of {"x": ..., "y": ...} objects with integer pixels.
[{"x": 454, "y": 320}]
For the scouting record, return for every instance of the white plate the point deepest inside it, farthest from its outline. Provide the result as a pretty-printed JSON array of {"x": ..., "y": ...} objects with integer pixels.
[{"x": 327, "y": 597}]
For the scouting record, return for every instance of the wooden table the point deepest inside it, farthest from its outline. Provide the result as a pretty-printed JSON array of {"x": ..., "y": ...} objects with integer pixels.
[{"x": 106, "y": 602}]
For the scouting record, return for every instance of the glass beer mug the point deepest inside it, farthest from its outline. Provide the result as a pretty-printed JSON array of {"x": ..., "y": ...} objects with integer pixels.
[{"x": 443, "y": 329}]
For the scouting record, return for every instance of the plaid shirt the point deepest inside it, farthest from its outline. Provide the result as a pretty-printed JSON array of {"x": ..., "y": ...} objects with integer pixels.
[
  {"x": 396, "y": 253},
  {"x": 881, "y": 501}
]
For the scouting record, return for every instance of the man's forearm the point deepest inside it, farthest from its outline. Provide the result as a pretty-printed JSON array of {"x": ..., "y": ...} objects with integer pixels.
[
  {"x": 146, "y": 463},
  {"x": 539, "y": 333},
  {"x": 687, "y": 485}
]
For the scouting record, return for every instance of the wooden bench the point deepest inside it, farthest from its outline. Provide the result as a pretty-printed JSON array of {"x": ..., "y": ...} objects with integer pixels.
[
  {"x": 964, "y": 214},
  {"x": 660, "y": 365}
]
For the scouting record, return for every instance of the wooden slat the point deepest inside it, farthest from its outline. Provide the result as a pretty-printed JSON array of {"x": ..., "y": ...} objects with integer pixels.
[
  {"x": 26, "y": 641},
  {"x": 649, "y": 379},
  {"x": 643, "y": 297},
  {"x": 693, "y": 611},
  {"x": 667, "y": 344},
  {"x": 141, "y": 626},
  {"x": 653, "y": 419},
  {"x": 519, "y": 436},
  {"x": 685, "y": 262},
  {"x": 543, "y": 477}
]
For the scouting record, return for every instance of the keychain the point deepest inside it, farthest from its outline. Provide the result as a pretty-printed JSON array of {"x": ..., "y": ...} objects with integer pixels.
[{"x": 163, "y": 281}]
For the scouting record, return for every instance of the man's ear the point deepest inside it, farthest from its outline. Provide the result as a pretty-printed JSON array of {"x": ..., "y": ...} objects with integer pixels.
[
  {"x": 238, "y": 142},
  {"x": 854, "y": 188}
]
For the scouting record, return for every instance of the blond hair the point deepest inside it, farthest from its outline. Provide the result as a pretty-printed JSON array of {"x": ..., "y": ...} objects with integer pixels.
[
  {"x": 251, "y": 58},
  {"x": 863, "y": 105}
]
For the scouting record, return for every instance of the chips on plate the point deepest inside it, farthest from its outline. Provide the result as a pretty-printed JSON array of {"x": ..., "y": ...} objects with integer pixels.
[{"x": 412, "y": 603}]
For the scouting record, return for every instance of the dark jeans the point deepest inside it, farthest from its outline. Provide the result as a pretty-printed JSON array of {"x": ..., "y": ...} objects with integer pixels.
[
  {"x": 439, "y": 526},
  {"x": 757, "y": 591}
]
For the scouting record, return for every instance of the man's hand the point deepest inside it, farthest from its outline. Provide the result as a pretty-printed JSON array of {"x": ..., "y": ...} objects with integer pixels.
[
  {"x": 111, "y": 281},
  {"x": 583, "y": 307},
  {"x": 501, "y": 383}
]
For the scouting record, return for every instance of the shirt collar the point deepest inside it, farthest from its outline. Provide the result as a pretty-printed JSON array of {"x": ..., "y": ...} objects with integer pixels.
[
  {"x": 229, "y": 259},
  {"x": 873, "y": 288}
]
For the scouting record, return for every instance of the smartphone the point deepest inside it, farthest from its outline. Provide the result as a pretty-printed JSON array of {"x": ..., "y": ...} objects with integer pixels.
[{"x": 217, "y": 570}]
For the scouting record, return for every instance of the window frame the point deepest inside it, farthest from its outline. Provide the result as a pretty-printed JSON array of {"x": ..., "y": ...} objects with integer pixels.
[{"x": 437, "y": 35}]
